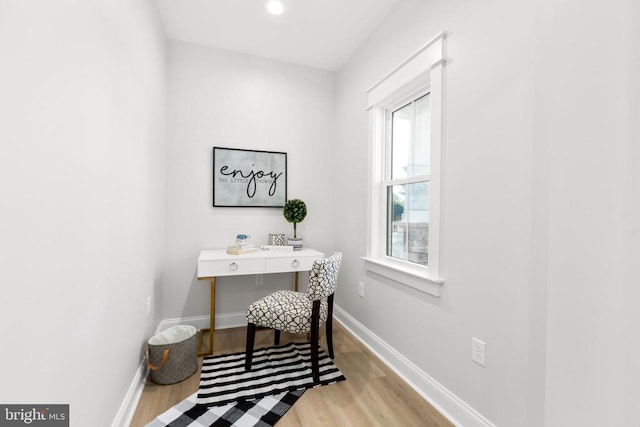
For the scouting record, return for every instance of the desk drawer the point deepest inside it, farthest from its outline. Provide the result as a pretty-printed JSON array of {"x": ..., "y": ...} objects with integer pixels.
[
  {"x": 231, "y": 267},
  {"x": 292, "y": 263}
]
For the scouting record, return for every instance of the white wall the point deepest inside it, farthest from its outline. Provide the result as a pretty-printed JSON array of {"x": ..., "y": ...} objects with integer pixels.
[
  {"x": 82, "y": 159},
  {"x": 486, "y": 203},
  {"x": 629, "y": 293},
  {"x": 540, "y": 208},
  {"x": 219, "y": 98},
  {"x": 586, "y": 123}
]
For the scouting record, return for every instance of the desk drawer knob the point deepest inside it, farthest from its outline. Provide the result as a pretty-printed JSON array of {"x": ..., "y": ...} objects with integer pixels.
[
  {"x": 233, "y": 266},
  {"x": 295, "y": 263}
]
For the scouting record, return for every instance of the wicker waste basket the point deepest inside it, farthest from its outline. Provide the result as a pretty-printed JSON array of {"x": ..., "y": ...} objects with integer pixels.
[{"x": 171, "y": 355}]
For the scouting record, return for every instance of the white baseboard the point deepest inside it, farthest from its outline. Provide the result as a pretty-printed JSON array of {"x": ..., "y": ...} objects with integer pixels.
[
  {"x": 223, "y": 321},
  {"x": 130, "y": 403},
  {"x": 449, "y": 405}
]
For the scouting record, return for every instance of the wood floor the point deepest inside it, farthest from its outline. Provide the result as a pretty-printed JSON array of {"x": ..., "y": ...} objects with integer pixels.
[{"x": 372, "y": 395}]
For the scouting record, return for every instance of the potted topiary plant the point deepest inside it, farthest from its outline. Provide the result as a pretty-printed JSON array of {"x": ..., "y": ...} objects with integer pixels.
[{"x": 295, "y": 210}]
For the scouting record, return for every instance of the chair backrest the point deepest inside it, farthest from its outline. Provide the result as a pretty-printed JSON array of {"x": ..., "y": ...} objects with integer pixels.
[{"x": 323, "y": 277}]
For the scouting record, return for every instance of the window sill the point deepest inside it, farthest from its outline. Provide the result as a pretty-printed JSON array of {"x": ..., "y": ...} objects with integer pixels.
[{"x": 415, "y": 278}]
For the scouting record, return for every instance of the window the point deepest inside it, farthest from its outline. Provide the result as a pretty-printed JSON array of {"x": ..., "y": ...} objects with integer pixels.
[
  {"x": 407, "y": 181},
  {"x": 405, "y": 223}
]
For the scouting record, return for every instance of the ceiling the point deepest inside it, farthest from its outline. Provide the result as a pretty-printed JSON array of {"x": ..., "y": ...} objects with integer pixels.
[{"x": 315, "y": 33}]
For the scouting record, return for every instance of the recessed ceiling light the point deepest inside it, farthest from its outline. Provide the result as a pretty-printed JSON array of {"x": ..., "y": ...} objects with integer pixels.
[{"x": 275, "y": 7}]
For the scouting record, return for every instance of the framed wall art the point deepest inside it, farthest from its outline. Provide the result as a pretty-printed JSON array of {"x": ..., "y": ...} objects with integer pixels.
[{"x": 249, "y": 178}]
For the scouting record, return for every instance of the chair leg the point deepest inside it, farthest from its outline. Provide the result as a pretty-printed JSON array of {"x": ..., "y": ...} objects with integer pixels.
[
  {"x": 276, "y": 337},
  {"x": 329, "y": 325},
  {"x": 251, "y": 335},
  {"x": 315, "y": 326}
]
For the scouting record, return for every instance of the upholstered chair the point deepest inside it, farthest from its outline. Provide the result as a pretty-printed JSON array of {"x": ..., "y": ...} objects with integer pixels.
[{"x": 299, "y": 312}]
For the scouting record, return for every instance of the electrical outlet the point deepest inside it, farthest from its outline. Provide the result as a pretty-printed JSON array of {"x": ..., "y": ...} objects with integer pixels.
[
  {"x": 478, "y": 351},
  {"x": 361, "y": 289},
  {"x": 148, "y": 305},
  {"x": 259, "y": 279}
]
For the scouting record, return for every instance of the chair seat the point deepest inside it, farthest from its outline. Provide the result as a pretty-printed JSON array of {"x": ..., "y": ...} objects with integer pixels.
[{"x": 287, "y": 311}]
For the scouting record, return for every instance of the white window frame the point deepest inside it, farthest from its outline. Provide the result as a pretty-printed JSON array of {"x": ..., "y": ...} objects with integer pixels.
[{"x": 422, "y": 72}]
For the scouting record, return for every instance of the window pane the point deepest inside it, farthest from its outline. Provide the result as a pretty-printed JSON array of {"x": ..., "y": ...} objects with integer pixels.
[
  {"x": 401, "y": 141},
  {"x": 421, "y": 144},
  {"x": 418, "y": 222},
  {"x": 408, "y": 227},
  {"x": 397, "y": 228},
  {"x": 410, "y": 134}
]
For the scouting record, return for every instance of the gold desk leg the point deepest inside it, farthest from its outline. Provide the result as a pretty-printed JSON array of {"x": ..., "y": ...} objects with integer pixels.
[
  {"x": 212, "y": 321},
  {"x": 199, "y": 342}
]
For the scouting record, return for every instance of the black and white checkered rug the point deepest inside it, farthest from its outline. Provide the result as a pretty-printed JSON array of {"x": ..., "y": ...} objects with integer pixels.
[
  {"x": 263, "y": 412},
  {"x": 274, "y": 370},
  {"x": 230, "y": 396}
]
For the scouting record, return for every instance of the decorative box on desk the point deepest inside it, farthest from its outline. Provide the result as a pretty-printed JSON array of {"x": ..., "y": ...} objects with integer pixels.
[{"x": 214, "y": 263}]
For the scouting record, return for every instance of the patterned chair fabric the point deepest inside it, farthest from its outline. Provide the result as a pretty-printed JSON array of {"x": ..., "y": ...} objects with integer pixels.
[
  {"x": 287, "y": 311},
  {"x": 323, "y": 278},
  {"x": 291, "y": 311}
]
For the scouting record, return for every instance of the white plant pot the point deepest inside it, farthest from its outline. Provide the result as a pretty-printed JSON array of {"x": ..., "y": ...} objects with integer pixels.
[{"x": 296, "y": 242}]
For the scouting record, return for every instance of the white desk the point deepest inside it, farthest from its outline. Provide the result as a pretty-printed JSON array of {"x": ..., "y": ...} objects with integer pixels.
[{"x": 217, "y": 263}]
